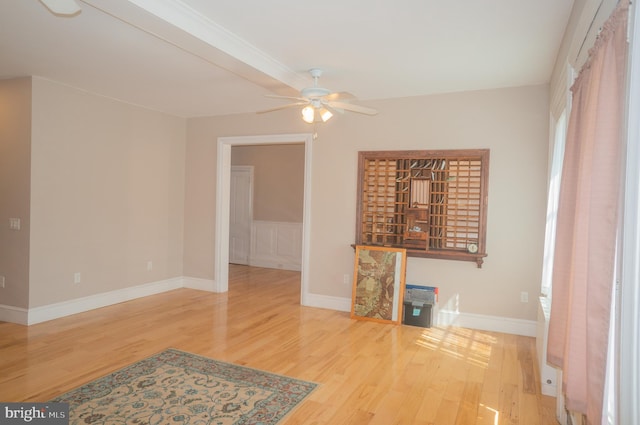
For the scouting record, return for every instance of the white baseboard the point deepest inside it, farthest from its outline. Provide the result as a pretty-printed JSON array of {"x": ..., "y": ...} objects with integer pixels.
[
  {"x": 444, "y": 317},
  {"x": 53, "y": 311},
  {"x": 198, "y": 283},
  {"x": 488, "y": 323},
  {"x": 45, "y": 313},
  {"x": 12, "y": 314},
  {"x": 328, "y": 302},
  {"x": 79, "y": 305}
]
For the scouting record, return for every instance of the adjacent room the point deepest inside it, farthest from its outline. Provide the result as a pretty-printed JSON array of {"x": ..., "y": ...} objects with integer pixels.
[{"x": 216, "y": 188}]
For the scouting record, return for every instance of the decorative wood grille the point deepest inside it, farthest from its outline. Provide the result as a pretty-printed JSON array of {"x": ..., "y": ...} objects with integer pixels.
[{"x": 433, "y": 203}]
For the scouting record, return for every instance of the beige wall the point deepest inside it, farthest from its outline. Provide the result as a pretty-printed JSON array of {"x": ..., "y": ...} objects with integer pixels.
[
  {"x": 109, "y": 183},
  {"x": 512, "y": 123},
  {"x": 100, "y": 187},
  {"x": 278, "y": 180},
  {"x": 200, "y": 178},
  {"x": 107, "y": 194},
  {"x": 15, "y": 164}
]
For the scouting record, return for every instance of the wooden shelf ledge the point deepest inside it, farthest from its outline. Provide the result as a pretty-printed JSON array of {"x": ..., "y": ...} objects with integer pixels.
[{"x": 477, "y": 258}]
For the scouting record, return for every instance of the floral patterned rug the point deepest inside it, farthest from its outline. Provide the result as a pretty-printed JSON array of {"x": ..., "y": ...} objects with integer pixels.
[{"x": 175, "y": 387}]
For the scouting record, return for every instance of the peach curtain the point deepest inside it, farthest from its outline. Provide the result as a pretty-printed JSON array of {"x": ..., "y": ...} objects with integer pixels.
[{"x": 588, "y": 216}]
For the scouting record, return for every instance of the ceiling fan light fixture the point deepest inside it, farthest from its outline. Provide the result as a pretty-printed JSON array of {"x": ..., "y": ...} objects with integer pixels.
[
  {"x": 325, "y": 114},
  {"x": 308, "y": 114},
  {"x": 319, "y": 104}
]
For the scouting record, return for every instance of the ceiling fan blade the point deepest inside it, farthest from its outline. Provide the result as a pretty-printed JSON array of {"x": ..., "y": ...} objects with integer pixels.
[
  {"x": 277, "y": 108},
  {"x": 353, "y": 108},
  {"x": 332, "y": 109},
  {"x": 343, "y": 95},
  {"x": 275, "y": 96},
  {"x": 62, "y": 7}
]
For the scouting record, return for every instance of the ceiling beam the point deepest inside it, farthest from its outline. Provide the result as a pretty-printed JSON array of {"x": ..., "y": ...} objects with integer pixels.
[{"x": 176, "y": 23}]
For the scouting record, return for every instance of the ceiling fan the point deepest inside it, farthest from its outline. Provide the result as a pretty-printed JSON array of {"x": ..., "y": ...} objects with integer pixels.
[
  {"x": 321, "y": 104},
  {"x": 62, "y": 7}
]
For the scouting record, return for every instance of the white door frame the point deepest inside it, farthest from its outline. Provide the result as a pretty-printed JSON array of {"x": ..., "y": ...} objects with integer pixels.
[{"x": 223, "y": 183}]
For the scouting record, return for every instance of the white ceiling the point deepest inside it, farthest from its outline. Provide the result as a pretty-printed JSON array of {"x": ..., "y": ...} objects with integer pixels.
[{"x": 213, "y": 57}]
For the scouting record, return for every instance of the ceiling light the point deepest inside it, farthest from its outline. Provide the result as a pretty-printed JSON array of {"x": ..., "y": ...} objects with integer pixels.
[
  {"x": 308, "y": 114},
  {"x": 325, "y": 114}
]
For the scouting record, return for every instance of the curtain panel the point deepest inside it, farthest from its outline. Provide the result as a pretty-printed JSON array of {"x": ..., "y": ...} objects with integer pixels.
[{"x": 588, "y": 221}]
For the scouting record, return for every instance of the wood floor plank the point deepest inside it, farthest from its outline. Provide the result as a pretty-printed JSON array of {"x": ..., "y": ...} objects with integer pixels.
[
  {"x": 368, "y": 373},
  {"x": 527, "y": 365}
]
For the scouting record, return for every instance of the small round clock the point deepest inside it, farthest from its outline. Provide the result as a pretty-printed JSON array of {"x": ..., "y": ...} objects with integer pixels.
[{"x": 472, "y": 248}]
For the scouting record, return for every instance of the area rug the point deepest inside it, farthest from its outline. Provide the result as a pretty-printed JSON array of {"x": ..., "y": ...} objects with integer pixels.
[{"x": 175, "y": 387}]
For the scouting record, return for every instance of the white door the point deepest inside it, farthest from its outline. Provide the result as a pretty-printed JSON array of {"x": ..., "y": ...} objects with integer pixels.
[{"x": 240, "y": 213}]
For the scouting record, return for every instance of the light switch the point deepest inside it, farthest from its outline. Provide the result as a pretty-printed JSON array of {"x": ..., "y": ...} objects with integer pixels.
[{"x": 14, "y": 223}]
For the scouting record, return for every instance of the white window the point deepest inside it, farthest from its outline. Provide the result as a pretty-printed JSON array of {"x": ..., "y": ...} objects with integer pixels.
[{"x": 552, "y": 202}]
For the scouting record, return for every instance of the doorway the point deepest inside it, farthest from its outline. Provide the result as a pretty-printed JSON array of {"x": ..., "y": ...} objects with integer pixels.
[{"x": 223, "y": 197}]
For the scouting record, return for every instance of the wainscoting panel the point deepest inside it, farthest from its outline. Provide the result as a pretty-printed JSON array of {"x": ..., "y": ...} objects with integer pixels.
[{"x": 276, "y": 245}]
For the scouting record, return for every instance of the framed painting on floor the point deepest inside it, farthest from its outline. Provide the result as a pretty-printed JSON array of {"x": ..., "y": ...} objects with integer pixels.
[{"x": 378, "y": 283}]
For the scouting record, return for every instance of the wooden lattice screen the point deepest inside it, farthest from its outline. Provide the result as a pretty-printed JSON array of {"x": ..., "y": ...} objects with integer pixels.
[{"x": 431, "y": 202}]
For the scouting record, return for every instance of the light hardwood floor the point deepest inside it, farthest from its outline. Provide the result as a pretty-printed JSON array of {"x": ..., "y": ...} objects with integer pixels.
[{"x": 369, "y": 373}]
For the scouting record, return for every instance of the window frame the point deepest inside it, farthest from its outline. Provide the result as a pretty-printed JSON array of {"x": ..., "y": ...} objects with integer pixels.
[{"x": 399, "y": 221}]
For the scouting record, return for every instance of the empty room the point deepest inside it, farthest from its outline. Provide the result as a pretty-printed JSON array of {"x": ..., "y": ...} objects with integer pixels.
[{"x": 339, "y": 212}]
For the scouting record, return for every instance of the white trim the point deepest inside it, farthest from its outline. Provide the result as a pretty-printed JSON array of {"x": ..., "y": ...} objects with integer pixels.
[
  {"x": 223, "y": 202},
  {"x": 23, "y": 316},
  {"x": 306, "y": 220},
  {"x": 629, "y": 351},
  {"x": 195, "y": 33},
  {"x": 198, "y": 283},
  {"x": 79, "y": 305},
  {"x": 13, "y": 314},
  {"x": 484, "y": 322},
  {"x": 223, "y": 177},
  {"x": 66, "y": 308},
  {"x": 445, "y": 317},
  {"x": 547, "y": 373},
  {"x": 328, "y": 302},
  {"x": 196, "y": 24}
]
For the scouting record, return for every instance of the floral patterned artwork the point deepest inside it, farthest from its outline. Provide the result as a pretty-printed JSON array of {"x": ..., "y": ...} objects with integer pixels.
[
  {"x": 182, "y": 388},
  {"x": 377, "y": 287}
]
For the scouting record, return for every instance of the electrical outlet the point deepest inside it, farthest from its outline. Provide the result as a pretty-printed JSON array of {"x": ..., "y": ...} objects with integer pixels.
[
  {"x": 524, "y": 297},
  {"x": 14, "y": 224},
  {"x": 77, "y": 277},
  {"x": 346, "y": 279},
  {"x": 1, "y": 281},
  {"x": 149, "y": 266}
]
